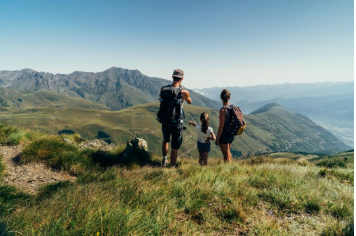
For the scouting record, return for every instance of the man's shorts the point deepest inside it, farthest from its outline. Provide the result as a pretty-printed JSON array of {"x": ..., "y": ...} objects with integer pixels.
[
  {"x": 203, "y": 147},
  {"x": 177, "y": 135},
  {"x": 226, "y": 139}
]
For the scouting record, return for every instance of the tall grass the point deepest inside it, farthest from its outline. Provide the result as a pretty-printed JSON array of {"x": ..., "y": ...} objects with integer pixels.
[
  {"x": 57, "y": 154},
  {"x": 273, "y": 197},
  {"x": 133, "y": 196}
]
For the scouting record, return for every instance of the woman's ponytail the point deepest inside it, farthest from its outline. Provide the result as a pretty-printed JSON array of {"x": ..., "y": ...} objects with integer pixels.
[{"x": 204, "y": 118}]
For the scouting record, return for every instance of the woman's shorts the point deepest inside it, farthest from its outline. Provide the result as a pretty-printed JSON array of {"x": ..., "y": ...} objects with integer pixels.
[
  {"x": 226, "y": 139},
  {"x": 203, "y": 147}
]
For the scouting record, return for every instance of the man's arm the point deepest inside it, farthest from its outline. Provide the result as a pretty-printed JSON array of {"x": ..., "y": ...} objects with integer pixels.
[
  {"x": 186, "y": 96},
  {"x": 159, "y": 96}
]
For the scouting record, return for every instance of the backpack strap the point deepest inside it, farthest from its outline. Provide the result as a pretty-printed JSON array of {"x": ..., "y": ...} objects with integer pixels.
[{"x": 231, "y": 106}]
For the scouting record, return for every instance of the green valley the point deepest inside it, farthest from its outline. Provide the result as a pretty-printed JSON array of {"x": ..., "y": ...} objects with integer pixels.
[{"x": 271, "y": 129}]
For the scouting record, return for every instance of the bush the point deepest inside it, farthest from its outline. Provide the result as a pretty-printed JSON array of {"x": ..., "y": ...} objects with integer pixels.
[
  {"x": 340, "y": 211},
  {"x": 49, "y": 189},
  {"x": 342, "y": 176},
  {"x": 59, "y": 155},
  {"x": 9, "y": 135},
  {"x": 337, "y": 229},
  {"x": 55, "y": 153},
  {"x": 233, "y": 214},
  {"x": 15, "y": 138},
  {"x": 331, "y": 163},
  {"x": 10, "y": 197},
  {"x": 312, "y": 205}
]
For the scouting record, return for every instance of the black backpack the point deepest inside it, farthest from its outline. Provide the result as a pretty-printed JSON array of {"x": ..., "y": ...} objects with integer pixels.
[{"x": 171, "y": 108}]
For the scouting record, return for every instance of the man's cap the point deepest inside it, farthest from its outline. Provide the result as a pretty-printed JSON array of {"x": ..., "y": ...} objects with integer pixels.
[{"x": 178, "y": 73}]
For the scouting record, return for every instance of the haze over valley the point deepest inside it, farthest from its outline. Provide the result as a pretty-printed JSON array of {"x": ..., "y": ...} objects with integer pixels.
[{"x": 329, "y": 104}]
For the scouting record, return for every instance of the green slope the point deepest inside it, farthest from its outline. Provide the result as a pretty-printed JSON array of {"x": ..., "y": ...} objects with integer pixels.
[
  {"x": 273, "y": 129},
  {"x": 14, "y": 99}
]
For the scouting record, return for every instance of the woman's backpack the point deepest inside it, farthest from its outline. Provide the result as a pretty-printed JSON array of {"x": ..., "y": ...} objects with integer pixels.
[
  {"x": 171, "y": 108},
  {"x": 236, "y": 124}
]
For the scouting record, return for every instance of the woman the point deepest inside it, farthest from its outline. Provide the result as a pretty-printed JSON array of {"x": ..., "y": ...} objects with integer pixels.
[{"x": 223, "y": 139}]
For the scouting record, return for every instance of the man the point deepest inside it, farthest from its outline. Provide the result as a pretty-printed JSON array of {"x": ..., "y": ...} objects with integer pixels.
[{"x": 171, "y": 115}]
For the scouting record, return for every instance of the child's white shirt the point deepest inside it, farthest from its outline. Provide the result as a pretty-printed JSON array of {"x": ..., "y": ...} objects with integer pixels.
[{"x": 201, "y": 136}]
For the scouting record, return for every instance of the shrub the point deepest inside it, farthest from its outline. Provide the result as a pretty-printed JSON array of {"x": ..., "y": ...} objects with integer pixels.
[
  {"x": 233, "y": 214},
  {"x": 55, "y": 153},
  {"x": 15, "y": 138},
  {"x": 343, "y": 177},
  {"x": 10, "y": 197},
  {"x": 341, "y": 211},
  {"x": 331, "y": 163},
  {"x": 337, "y": 229},
  {"x": 312, "y": 205},
  {"x": 49, "y": 189}
]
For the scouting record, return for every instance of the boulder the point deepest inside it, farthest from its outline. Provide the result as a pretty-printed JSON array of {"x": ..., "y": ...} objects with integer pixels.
[
  {"x": 97, "y": 144},
  {"x": 136, "y": 144},
  {"x": 67, "y": 140}
]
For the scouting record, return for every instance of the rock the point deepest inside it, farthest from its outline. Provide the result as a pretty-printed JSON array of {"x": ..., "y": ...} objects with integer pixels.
[
  {"x": 136, "y": 144},
  {"x": 139, "y": 143},
  {"x": 67, "y": 140},
  {"x": 97, "y": 144}
]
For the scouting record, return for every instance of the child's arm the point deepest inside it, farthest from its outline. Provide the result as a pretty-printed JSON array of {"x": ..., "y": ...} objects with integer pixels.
[
  {"x": 192, "y": 123},
  {"x": 212, "y": 137}
]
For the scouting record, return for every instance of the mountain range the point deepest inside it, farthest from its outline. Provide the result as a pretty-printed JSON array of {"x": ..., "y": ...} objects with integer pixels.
[
  {"x": 116, "y": 105},
  {"x": 116, "y": 88},
  {"x": 329, "y": 104},
  {"x": 283, "y": 91}
]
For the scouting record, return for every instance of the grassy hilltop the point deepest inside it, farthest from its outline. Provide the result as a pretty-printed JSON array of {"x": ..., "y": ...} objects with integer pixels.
[{"x": 276, "y": 194}]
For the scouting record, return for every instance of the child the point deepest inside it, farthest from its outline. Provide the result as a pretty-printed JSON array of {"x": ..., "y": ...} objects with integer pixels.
[{"x": 204, "y": 135}]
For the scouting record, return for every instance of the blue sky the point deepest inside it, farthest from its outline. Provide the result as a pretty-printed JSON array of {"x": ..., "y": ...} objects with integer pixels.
[{"x": 216, "y": 43}]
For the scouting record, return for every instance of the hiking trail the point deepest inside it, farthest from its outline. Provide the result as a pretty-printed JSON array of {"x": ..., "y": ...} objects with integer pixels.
[{"x": 28, "y": 177}]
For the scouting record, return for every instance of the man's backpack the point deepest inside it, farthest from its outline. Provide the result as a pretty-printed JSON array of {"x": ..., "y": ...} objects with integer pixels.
[
  {"x": 236, "y": 124},
  {"x": 171, "y": 108}
]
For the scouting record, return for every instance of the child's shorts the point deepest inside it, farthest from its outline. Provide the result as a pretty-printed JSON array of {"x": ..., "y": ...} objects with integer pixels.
[{"x": 203, "y": 147}]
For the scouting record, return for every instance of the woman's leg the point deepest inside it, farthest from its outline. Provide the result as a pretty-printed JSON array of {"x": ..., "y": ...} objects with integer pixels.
[
  {"x": 230, "y": 157},
  {"x": 205, "y": 158},
  {"x": 226, "y": 152}
]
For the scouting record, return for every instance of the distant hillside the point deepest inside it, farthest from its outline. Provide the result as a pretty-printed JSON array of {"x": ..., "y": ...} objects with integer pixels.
[
  {"x": 273, "y": 128},
  {"x": 116, "y": 88},
  {"x": 15, "y": 99},
  {"x": 329, "y": 104},
  {"x": 335, "y": 113},
  {"x": 285, "y": 91}
]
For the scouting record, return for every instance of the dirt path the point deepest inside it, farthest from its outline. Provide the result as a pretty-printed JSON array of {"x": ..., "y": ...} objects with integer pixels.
[{"x": 28, "y": 177}]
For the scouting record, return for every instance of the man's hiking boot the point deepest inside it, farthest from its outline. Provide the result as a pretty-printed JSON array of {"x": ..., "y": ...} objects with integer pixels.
[{"x": 164, "y": 162}]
